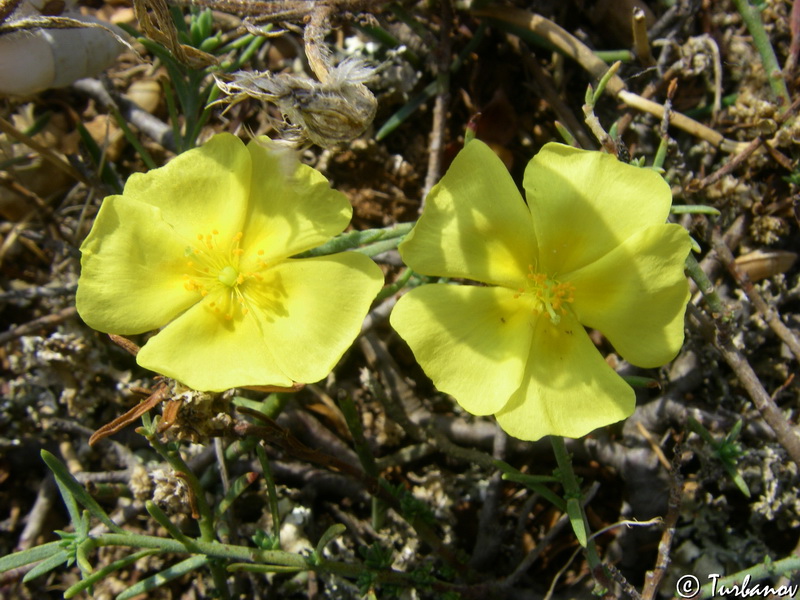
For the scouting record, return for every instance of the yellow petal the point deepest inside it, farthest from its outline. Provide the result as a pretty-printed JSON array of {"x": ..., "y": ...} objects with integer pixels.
[
  {"x": 205, "y": 352},
  {"x": 202, "y": 190},
  {"x": 636, "y": 295},
  {"x": 568, "y": 389},
  {"x": 584, "y": 204},
  {"x": 475, "y": 224},
  {"x": 132, "y": 265},
  {"x": 471, "y": 341},
  {"x": 322, "y": 305},
  {"x": 292, "y": 207}
]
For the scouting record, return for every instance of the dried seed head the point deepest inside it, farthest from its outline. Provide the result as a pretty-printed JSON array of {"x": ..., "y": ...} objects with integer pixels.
[
  {"x": 170, "y": 493},
  {"x": 200, "y": 416},
  {"x": 140, "y": 483},
  {"x": 324, "y": 113}
]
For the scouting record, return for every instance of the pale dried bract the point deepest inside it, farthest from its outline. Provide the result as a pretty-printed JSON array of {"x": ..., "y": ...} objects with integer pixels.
[{"x": 325, "y": 113}]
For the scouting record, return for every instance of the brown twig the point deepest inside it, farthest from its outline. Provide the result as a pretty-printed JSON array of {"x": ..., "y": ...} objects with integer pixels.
[
  {"x": 737, "y": 160},
  {"x": 580, "y": 52},
  {"x": 715, "y": 333},
  {"x": 794, "y": 46},
  {"x": 148, "y": 124},
  {"x": 438, "y": 128},
  {"x": 124, "y": 343},
  {"x": 640, "y": 42},
  {"x": 46, "y": 153},
  {"x": 625, "y": 585},
  {"x": 45, "y": 322},
  {"x": 770, "y": 314},
  {"x": 652, "y": 579}
]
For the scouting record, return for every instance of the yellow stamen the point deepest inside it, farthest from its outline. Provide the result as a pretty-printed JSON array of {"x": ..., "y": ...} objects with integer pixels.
[{"x": 550, "y": 295}]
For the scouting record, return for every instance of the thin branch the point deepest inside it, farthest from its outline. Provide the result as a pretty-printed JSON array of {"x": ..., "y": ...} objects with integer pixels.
[
  {"x": 652, "y": 579},
  {"x": 45, "y": 322},
  {"x": 716, "y": 334},
  {"x": 770, "y": 314},
  {"x": 439, "y": 126},
  {"x": 151, "y": 126}
]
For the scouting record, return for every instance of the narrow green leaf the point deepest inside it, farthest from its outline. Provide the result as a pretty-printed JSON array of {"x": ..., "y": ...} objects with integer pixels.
[
  {"x": 252, "y": 47},
  {"x": 332, "y": 532},
  {"x": 698, "y": 428},
  {"x": 643, "y": 382},
  {"x": 31, "y": 555},
  {"x": 661, "y": 154},
  {"x": 47, "y": 565},
  {"x": 601, "y": 85},
  {"x": 430, "y": 90},
  {"x": 155, "y": 581},
  {"x": 407, "y": 110},
  {"x": 236, "y": 489},
  {"x": 565, "y": 134},
  {"x": 379, "y": 247},
  {"x": 69, "y": 501},
  {"x": 78, "y": 491},
  {"x": 737, "y": 478},
  {"x": 575, "y": 515},
  {"x": 133, "y": 140},
  {"x": 105, "y": 571},
  {"x": 108, "y": 174},
  {"x": 82, "y": 556},
  {"x": 694, "y": 209},
  {"x": 272, "y": 494},
  {"x": 734, "y": 433}
]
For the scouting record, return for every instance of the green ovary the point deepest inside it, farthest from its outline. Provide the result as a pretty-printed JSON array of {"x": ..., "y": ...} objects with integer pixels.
[
  {"x": 549, "y": 295},
  {"x": 229, "y": 276},
  {"x": 210, "y": 265}
]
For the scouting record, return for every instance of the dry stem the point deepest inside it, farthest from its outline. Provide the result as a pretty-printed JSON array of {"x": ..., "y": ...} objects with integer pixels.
[
  {"x": 770, "y": 314},
  {"x": 715, "y": 332}
]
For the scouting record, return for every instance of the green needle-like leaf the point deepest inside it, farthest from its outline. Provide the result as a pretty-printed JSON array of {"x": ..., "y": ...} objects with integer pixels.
[
  {"x": 236, "y": 489},
  {"x": 47, "y": 565},
  {"x": 146, "y": 585},
  {"x": 76, "y": 490},
  {"x": 575, "y": 515},
  {"x": 332, "y": 532},
  {"x": 104, "y": 572},
  {"x": 31, "y": 555}
]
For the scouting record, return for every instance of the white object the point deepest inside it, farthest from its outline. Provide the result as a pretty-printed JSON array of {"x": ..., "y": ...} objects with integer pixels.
[{"x": 36, "y": 60}]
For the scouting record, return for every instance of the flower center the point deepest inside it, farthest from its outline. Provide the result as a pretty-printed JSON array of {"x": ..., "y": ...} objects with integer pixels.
[
  {"x": 228, "y": 275},
  {"x": 211, "y": 263},
  {"x": 548, "y": 295}
]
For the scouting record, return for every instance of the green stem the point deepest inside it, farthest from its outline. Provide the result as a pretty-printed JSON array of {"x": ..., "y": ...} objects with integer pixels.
[
  {"x": 353, "y": 419},
  {"x": 253, "y": 556},
  {"x": 173, "y": 457},
  {"x": 210, "y": 549},
  {"x": 354, "y": 239},
  {"x": 752, "y": 19},
  {"x": 705, "y": 285},
  {"x": 393, "y": 288},
  {"x": 762, "y": 571},
  {"x": 206, "y": 520},
  {"x": 272, "y": 493}
]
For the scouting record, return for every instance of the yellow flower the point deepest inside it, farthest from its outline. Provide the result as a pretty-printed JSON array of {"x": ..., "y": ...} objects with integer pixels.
[
  {"x": 591, "y": 248},
  {"x": 201, "y": 247}
]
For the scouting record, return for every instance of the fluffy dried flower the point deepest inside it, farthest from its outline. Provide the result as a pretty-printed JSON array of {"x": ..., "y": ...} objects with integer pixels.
[{"x": 326, "y": 113}]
